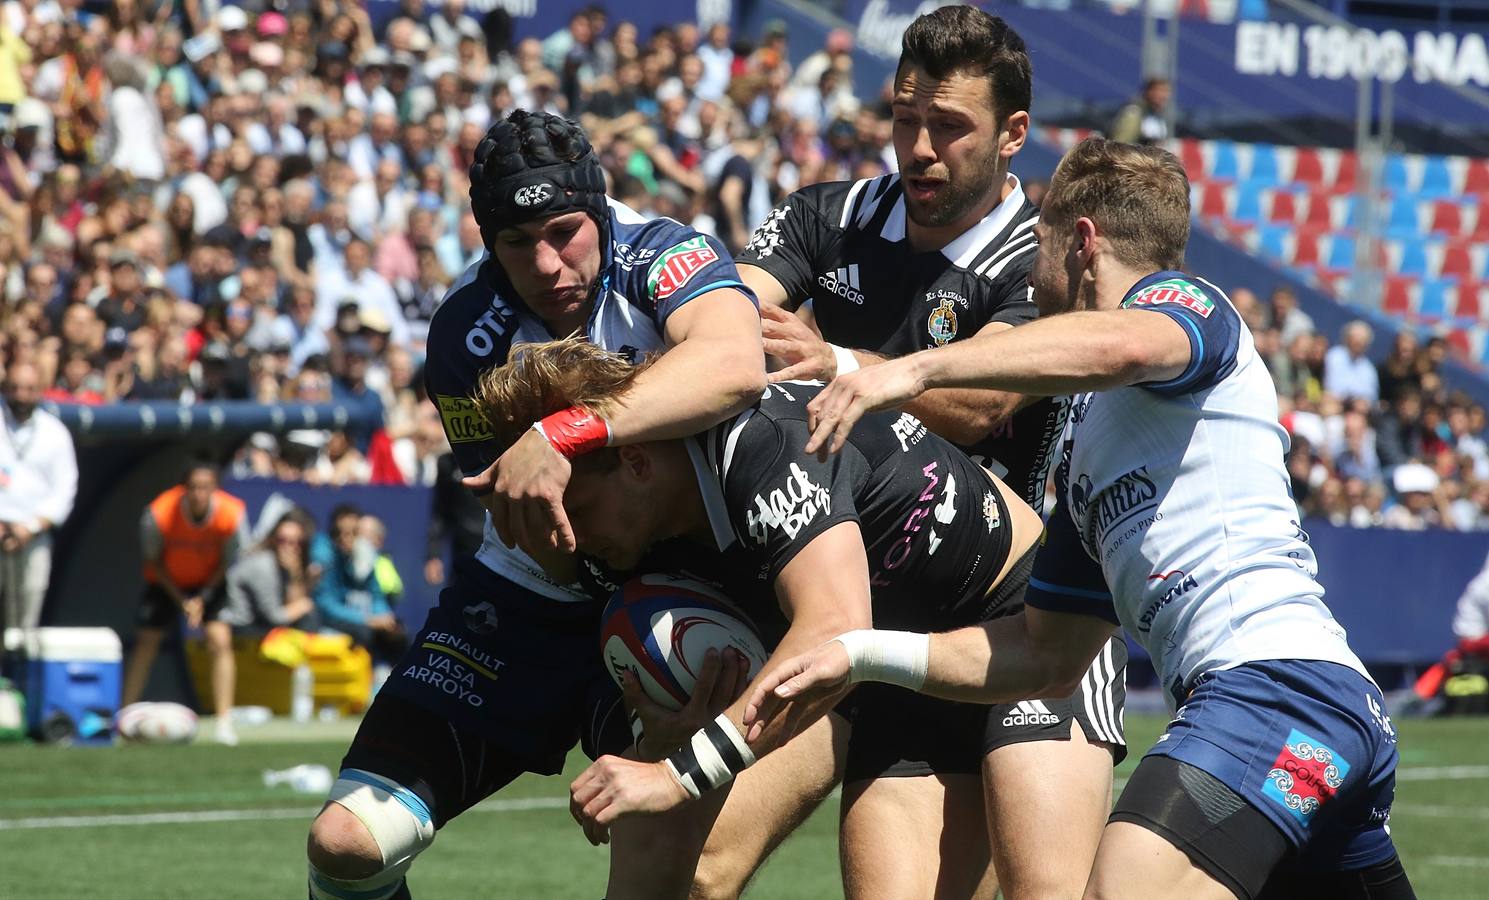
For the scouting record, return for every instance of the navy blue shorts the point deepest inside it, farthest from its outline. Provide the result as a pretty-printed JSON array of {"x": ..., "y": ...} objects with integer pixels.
[
  {"x": 515, "y": 669},
  {"x": 1308, "y": 744}
]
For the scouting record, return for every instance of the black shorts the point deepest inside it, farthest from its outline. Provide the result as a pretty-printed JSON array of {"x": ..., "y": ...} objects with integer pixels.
[
  {"x": 1237, "y": 845},
  {"x": 898, "y": 733},
  {"x": 498, "y": 663},
  {"x": 158, "y": 610}
]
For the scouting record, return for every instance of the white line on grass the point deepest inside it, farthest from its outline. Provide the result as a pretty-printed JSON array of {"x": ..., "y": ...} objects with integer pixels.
[
  {"x": 185, "y": 817},
  {"x": 519, "y": 804},
  {"x": 1477, "y": 862}
]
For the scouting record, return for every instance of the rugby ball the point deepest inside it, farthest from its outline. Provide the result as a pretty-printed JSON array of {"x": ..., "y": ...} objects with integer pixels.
[
  {"x": 662, "y": 626},
  {"x": 156, "y": 723}
]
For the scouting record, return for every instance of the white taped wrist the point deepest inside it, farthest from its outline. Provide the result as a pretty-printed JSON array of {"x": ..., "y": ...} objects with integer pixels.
[
  {"x": 893, "y": 657},
  {"x": 847, "y": 362}
]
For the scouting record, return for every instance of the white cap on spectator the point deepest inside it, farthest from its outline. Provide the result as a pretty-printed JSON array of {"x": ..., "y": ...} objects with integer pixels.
[
  {"x": 1414, "y": 478},
  {"x": 252, "y": 81},
  {"x": 382, "y": 102},
  {"x": 33, "y": 113},
  {"x": 232, "y": 18},
  {"x": 266, "y": 54},
  {"x": 374, "y": 56}
]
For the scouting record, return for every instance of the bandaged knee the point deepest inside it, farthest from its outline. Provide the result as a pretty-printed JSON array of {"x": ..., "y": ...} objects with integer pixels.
[{"x": 400, "y": 824}]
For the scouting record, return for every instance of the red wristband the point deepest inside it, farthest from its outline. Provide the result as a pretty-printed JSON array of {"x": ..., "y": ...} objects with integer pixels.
[{"x": 574, "y": 432}]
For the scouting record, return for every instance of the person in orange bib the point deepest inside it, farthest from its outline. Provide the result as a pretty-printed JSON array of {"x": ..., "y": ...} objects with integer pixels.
[{"x": 191, "y": 536}]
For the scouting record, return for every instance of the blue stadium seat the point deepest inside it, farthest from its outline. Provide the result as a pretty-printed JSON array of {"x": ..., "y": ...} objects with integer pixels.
[
  {"x": 1434, "y": 298},
  {"x": 1264, "y": 165},
  {"x": 1401, "y": 218},
  {"x": 1394, "y": 177},
  {"x": 1223, "y": 164},
  {"x": 1271, "y": 241},
  {"x": 1413, "y": 257},
  {"x": 1342, "y": 253},
  {"x": 1437, "y": 180},
  {"x": 1352, "y": 212},
  {"x": 1248, "y": 203}
]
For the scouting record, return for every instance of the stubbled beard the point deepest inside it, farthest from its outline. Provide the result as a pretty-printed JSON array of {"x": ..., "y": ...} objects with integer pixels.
[{"x": 960, "y": 198}]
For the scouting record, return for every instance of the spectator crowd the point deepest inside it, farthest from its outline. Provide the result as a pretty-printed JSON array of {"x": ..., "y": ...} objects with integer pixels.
[{"x": 269, "y": 202}]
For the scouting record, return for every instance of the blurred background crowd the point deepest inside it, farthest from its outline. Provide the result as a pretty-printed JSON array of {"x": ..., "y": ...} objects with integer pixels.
[{"x": 269, "y": 204}]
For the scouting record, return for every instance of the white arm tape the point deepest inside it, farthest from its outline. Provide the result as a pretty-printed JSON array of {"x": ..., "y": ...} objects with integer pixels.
[
  {"x": 893, "y": 657},
  {"x": 847, "y": 362}
]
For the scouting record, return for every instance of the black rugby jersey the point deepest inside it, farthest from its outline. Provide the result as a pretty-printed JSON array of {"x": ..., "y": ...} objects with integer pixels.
[
  {"x": 933, "y": 523},
  {"x": 843, "y": 246}
]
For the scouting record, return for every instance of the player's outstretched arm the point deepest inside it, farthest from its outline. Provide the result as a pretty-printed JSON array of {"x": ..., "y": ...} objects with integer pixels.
[
  {"x": 713, "y": 368},
  {"x": 824, "y": 588},
  {"x": 1069, "y": 353},
  {"x": 1036, "y": 653}
]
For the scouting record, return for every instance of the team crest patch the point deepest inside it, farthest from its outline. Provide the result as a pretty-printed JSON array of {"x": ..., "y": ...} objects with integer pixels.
[
  {"x": 1174, "y": 290},
  {"x": 677, "y": 265},
  {"x": 942, "y": 323},
  {"x": 990, "y": 514},
  {"x": 463, "y": 424},
  {"x": 1306, "y": 775}
]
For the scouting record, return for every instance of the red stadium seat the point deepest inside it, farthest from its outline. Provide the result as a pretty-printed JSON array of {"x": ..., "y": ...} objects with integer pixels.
[
  {"x": 1471, "y": 300},
  {"x": 1447, "y": 217},
  {"x": 1476, "y": 181},
  {"x": 1285, "y": 206},
  {"x": 1216, "y": 200},
  {"x": 1457, "y": 262},
  {"x": 1344, "y": 177},
  {"x": 1309, "y": 169},
  {"x": 1398, "y": 295},
  {"x": 1192, "y": 155},
  {"x": 1305, "y": 250},
  {"x": 1459, "y": 340},
  {"x": 1320, "y": 214}
]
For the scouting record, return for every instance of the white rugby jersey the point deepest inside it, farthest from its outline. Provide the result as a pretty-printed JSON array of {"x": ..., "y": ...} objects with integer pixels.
[
  {"x": 1175, "y": 516},
  {"x": 650, "y": 269}
]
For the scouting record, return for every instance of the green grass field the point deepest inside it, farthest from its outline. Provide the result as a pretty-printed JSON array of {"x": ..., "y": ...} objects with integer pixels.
[{"x": 196, "y": 821}]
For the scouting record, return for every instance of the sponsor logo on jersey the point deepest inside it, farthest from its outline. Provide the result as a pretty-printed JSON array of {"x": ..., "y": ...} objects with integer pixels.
[
  {"x": 677, "y": 265},
  {"x": 942, "y": 324},
  {"x": 767, "y": 237},
  {"x": 789, "y": 509},
  {"x": 532, "y": 195},
  {"x": 1130, "y": 494},
  {"x": 493, "y": 323},
  {"x": 909, "y": 430},
  {"x": 1174, "y": 290},
  {"x": 463, "y": 424},
  {"x": 1178, "y": 583},
  {"x": 628, "y": 257},
  {"x": 1030, "y": 712},
  {"x": 1306, "y": 775},
  {"x": 1382, "y": 721},
  {"x": 991, "y": 517},
  {"x": 844, "y": 283},
  {"x": 943, "y": 513}
]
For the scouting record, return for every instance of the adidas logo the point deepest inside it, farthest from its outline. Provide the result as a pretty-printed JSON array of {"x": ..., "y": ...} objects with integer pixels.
[
  {"x": 1030, "y": 712},
  {"x": 844, "y": 283}
]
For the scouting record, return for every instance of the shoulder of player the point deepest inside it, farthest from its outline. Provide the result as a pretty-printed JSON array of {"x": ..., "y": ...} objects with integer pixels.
[
  {"x": 1006, "y": 256},
  {"x": 471, "y": 330},
  {"x": 844, "y": 204},
  {"x": 1182, "y": 289}
]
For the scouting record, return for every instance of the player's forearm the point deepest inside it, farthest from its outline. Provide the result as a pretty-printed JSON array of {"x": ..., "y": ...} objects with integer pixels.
[
  {"x": 802, "y": 637},
  {"x": 1066, "y": 354},
  {"x": 961, "y": 415},
  {"x": 995, "y": 662},
  {"x": 693, "y": 386}
]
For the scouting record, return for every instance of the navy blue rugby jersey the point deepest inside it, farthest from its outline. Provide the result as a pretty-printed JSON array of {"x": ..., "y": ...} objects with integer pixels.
[{"x": 650, "y": 270}]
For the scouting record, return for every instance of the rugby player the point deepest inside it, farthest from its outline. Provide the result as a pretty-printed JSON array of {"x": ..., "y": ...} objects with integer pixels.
[
  {"x": 933, "y": 255},
  {"x": 1275, "y": 777},
  {"x": 904, "y": 529},
  {"x": 505, "y": 676}
]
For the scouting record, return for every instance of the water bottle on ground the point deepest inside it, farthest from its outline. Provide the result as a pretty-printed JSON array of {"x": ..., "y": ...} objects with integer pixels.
[
  {"x": 302, "y": 694},
  {"x": 306, "y": 778}
]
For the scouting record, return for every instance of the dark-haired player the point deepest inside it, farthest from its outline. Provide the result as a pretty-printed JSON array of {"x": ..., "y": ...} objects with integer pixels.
[
  {"x": 931, "y": 256},
  {"x": 505, "y": 676}
]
